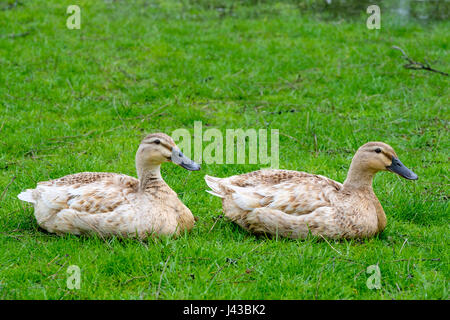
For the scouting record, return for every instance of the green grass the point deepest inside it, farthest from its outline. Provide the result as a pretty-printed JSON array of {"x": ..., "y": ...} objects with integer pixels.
[{"x": 80, "y": 100}]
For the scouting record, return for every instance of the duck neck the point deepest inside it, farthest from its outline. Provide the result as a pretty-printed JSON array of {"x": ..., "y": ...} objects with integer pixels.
[
  {"x": 149, "y": 176},
  {"x": 359, "y": 177}
]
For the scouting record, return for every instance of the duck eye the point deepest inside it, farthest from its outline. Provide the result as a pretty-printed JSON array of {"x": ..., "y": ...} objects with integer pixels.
[
  {"x": 377, "y": 150},
  {"x": 157, "y": 141}
]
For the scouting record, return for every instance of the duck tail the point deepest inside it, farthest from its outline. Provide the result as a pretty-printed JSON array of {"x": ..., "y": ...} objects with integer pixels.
[
  {"x": 27, "y": 196},
  {"x": 214, "y": 184}
]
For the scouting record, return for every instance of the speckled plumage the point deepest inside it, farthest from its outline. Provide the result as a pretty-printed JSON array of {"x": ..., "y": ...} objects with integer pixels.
[
  {"x": 294, "y": 204},
  {"x": 114, "y": 204}
]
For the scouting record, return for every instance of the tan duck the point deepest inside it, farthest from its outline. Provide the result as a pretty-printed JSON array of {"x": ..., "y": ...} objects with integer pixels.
[
  {"x": 116, "y": 204},
  {"x": 294, "y": 204}
]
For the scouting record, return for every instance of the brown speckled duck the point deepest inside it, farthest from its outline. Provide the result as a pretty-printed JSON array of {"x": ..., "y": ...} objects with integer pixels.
[
  {"x": 116, "y": 204},
  {"x": 294, "y": 204}
]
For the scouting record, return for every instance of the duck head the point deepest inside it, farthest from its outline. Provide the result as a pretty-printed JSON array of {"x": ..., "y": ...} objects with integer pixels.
[
  {"x": 157, "y": 148},
  {"x": 373, "y": 157},
  {"x": 379, "y": 156}
]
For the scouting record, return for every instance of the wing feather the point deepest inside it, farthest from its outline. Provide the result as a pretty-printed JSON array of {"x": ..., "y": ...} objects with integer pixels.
[
  {"x": 86, "y": 192},
  {"x": 291, "y": 192}
]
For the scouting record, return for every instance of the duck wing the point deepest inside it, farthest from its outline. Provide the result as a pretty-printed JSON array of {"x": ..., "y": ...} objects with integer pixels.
[
  {"x": 291, "y": 192},
  {"x": 88, "y": 192}
]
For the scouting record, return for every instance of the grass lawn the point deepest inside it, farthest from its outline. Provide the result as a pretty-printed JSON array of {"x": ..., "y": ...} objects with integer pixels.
[{"x": 81, "y": 100}]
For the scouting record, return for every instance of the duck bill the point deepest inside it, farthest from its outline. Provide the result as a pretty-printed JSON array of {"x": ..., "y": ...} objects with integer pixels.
[
  {"x": 399, "y": 168},
  {"x": 180, "y": 159}
]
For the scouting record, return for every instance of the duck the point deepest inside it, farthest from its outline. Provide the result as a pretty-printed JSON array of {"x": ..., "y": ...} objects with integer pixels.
[
  {"x": 113, "y": 204},
  {"x": 296, "y": 204}
]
